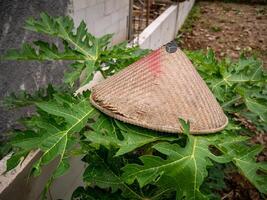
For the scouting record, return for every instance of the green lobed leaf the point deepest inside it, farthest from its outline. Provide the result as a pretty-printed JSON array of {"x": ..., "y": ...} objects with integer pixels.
[
  {"x": 244, "y": 158},
  {"x": 106, "y": 132},
  {"x": 54, "y": 135},
  {"x": 77, "y": 44},
  {"x": 15, "y": 160},
  {"x": 188, "y": 165},
  {"x": 98, "y": 173},
  {"x": 23, "y": 98},
  {"x": 89, "y": 193},
  {"x": 240, "y": 86}
]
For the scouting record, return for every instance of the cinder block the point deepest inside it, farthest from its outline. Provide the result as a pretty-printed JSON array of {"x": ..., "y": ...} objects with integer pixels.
[
  {"x": 113, "y": 28},
  {"x": 184, "y": 9},
  {"x": 78, "y": 16},
  {"x": 117, "y": 4},
  {"x": 123, "y": 12},
  {"x": 156, "y": 37},
  {"x": 79, "y": 4},
  {"x": 62, "y": 188},
  {"x": 91, "y": 3},
  {"x": 121, "y": 4},
  {"x": 155, "y": 31},
  {"x": 123, "y": 23},
  {"x": 115, "y": 17},
  {"x": 103, "y": 22},
  {"x": 95, "y": 12},
  {"x": 144, "y": 44},
  {"x": 99, "y": 31},
  {"x": 124, "y": 3},
  {"x": 109, "y": 6},
  {"x": 119, "y": 37},
  {"x": 90, "y": 23}
]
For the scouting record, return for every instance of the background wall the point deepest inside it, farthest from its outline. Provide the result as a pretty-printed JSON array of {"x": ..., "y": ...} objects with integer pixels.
[
  {"x": 16, "y": 76},
  {"x": 101, "y": 17}
]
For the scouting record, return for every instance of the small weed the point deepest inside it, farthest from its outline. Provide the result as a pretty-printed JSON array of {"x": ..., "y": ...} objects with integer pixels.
[
  {"x": 261, "y": 11},
  {"x": 215, "y": 29}
]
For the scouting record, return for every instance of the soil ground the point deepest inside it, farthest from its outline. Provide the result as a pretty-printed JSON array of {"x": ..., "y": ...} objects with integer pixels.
[
  {"x": 230, "y": 29},
  {"x": 227, "y": 28}
]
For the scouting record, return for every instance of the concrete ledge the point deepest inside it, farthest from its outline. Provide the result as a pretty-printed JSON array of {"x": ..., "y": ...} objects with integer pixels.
[
  {"x": 18, "y": 184},
  {"x": 164, "y": 28}
]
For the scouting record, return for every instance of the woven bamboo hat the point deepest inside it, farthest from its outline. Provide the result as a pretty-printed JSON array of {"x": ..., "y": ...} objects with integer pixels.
[{"x": 156, "y": 91}]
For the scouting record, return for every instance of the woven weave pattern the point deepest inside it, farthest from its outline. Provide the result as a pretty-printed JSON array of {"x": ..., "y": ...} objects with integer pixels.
[{"x": 156, "y": 91}]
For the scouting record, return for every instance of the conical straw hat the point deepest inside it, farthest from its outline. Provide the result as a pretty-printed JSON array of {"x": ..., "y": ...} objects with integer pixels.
[{"x": 156, "y": 91}]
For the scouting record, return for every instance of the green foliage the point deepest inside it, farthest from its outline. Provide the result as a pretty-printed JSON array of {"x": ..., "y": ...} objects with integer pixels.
[
  {"x": 214, "y": 182},
  {"x": 240, "y": 87},
  {"x": 215, "y": 28},
  {"x": 95, "y": 194},
  {"x": 88, "y": 52},
  {"x": 52, "y": 131},
  {"x": 4, "y": 148},
  {"x": 104, "y": 172},
  {"x": 112, "y": 133},
  {"x": 125, "y": 161},
  {"x": 188, "y": 165},
  {"x": 106, "y": 177},
  {"x": 23, "y": 98}
]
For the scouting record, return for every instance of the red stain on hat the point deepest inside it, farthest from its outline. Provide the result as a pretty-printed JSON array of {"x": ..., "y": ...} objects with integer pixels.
[{"x": 153, "y": 62}]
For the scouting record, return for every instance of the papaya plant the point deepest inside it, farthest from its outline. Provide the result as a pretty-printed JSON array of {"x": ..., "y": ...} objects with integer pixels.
[
  {"x": 240, "y": 87},
  {"x": 126, "y": 161}
]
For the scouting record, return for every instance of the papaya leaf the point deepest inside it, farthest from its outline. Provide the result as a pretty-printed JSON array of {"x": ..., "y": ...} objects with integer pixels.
[
  {"x": 15, "y": 160},
  {"x": 54, "y": 139},
  {"x": 188, "y": 165},
  {"x": 106, "y": 132},
  {"x": 240, "y": 86},
  {"x": 23, "y": 98},
  {"x": 90, "y": 53},
  {"x": 88, "y": 193},
  {"x": 244, "y": 158},
  {"x": 98, "y": 173}
]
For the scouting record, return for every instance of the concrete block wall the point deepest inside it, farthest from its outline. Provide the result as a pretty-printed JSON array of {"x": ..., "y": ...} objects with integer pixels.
[
  {"x": 165, "y": 28},
  {"x": 103, "y": 17}
]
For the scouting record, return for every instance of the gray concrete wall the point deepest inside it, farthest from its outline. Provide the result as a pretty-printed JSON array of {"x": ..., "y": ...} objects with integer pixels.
[
  {"x": 16, "y": 76},
  {"x": 101, "y": 17}
]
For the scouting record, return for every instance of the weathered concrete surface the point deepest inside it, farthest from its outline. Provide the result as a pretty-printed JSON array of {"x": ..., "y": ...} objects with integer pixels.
[
  {"x": 103, "y": 17},
  {"x": 16, "y": 76},
  {"x": 165, "y": 28}
]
